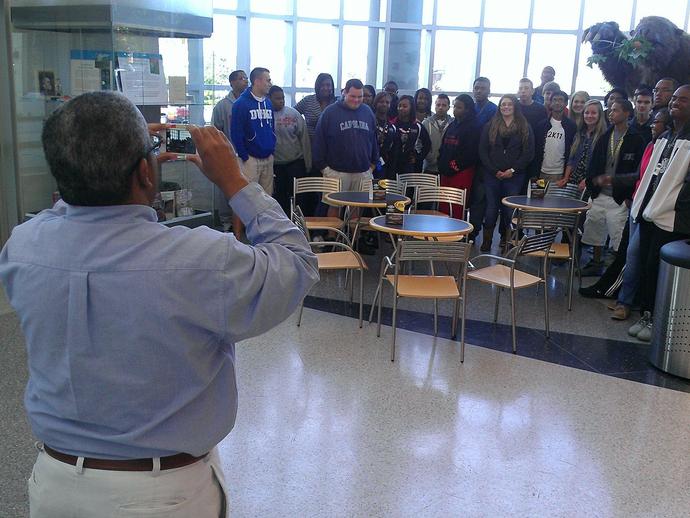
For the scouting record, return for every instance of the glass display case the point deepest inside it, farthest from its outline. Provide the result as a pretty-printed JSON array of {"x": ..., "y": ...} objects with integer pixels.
[{"x": 149, "y": 51}]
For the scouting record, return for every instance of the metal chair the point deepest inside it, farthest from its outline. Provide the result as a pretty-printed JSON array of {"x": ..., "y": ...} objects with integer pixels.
[
  {"x": 504, "y": 274},
  {"x": 437, "y": 195},
  {"x": 427, "y": 286},
  {"x": 568, "y": 191},
  {"x": 346, "y": 259},
  {"x": 322, "y": 186},
  {"x": 566, "y": 222},
  {"x": 417, "y": 180}
]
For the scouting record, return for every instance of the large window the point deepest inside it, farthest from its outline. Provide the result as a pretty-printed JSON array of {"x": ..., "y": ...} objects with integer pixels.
[{"x": 438, "y": 44}]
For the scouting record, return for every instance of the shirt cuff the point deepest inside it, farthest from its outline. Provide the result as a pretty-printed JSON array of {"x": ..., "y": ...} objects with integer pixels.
[{"x": 250, "y": 202}]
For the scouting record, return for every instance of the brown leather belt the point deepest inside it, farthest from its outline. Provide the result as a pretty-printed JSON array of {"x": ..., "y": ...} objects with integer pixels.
[{"x": 171, "y": 462}]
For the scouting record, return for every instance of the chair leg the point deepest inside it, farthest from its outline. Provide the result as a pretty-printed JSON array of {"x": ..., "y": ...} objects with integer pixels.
[
  {"x": 361, "y": 295},
  {"x": 352, "y": 284},
  {"x": 395, "y": 314},
  {"x": 462, "y": 327},
  {"x": 498, "y": 295},
  {"x": 299, "y": 316},
  {"x": 546, "y": 310},
  {"x": 435, "y": 317},
  {"x": 512, "y": 318},
  {"x": 454, "y": 325},
  {"x": 379, "y": 291}
]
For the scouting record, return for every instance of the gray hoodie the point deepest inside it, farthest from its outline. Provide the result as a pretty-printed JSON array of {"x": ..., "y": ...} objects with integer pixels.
[
  {"x": 292, "y": 138},
  {"x": 222, "y": 113},
  {"x": 436, "y": 128}
]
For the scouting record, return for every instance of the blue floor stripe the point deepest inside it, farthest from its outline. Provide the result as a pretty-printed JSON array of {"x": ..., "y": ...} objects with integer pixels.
[{"x": 609, "y": 357}]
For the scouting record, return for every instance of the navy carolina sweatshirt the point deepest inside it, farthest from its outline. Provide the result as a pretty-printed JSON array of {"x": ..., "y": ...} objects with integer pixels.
[
  {"x": 251, "y": 126},
  {"x": 345, "y": 139}
]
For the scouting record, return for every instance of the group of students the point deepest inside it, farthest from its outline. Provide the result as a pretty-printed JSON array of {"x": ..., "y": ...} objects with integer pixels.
[{"x": 493, "y": 150}]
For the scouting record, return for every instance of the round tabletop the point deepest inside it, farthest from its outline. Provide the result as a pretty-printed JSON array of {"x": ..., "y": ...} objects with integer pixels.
[
  {"x": 361, "y": 199},
  {"x": 547, "y": 203},
  {"x": 423, "y": 225}
]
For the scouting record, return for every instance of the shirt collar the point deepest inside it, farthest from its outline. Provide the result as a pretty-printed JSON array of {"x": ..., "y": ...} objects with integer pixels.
[{"x": 111, "y": 213}]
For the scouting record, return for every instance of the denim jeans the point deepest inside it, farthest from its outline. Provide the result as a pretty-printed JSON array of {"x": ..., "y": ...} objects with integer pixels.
[
  {"x": 631, "y": 275},
  {"x": 496, "y": 190}
]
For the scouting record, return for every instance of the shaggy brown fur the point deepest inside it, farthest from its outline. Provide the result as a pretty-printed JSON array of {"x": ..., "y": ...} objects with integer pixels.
[{"x": 670, "y": 55}]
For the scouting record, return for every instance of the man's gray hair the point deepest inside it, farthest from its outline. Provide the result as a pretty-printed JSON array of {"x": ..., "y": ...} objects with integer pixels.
[{"x": 93, "y": 143}]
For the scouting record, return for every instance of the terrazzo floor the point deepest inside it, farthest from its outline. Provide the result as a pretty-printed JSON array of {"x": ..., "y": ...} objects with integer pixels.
[{"x": 328, "y": 426}]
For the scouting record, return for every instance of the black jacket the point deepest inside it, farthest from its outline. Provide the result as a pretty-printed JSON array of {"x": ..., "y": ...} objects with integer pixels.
[
  {"x": 542, "y": 130},
  {"x": 629, "y": 158},
  {"x": 459, "y": 147},
  {"x": 412, "y": 144},
  {"x": 500, "y": 156}
]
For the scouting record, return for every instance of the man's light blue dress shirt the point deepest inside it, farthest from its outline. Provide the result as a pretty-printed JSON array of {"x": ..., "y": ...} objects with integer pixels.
[{"x": 131, "y": 326}]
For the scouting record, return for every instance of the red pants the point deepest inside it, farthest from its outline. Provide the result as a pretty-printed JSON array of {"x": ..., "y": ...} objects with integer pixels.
[{"x": 461, "y": 180}]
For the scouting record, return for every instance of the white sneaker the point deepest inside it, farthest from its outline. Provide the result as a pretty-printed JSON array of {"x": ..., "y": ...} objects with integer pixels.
[
  {"x": 645, "y": 335},
  {"x": 640, "y": 324}
]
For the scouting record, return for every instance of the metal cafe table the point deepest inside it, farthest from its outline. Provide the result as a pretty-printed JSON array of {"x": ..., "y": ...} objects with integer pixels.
[
  {"x": 559, "y": 205},
  {"x": 361, "y": 199},
  {"x": 421, "y": 226}
]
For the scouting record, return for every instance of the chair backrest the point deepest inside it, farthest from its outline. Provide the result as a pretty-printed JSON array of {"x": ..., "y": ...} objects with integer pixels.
[
  {"x": 447, "y": 251},
  {"x": 546, "y": 220},
  {"x": 396, "y": 187},
  {"x": 297, "y": 218},
  {"x": 365, "y": 184},
  {"x": 569, "y": 191},
  {"x": 450, "y": 195},
  {"x": 316, "y": 184},
  {"x": 419, "y": 179},
  {"x": 536, "y": 243}
]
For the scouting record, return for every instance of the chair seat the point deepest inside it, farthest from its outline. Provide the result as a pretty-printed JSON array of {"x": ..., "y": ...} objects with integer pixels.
[
  {"x": 344, "y": 260},
  {"x": 558, "y": 251},
  {"x": 431, "y": 212},
  {"x": 499, "y": 274},
  {"x": 426, "y": 286},
  {"x": 317, "y": 221}
]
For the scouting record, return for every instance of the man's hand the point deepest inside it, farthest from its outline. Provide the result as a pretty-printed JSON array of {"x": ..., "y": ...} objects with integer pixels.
[
  {"x": 561, "y": 183},
  {"x": 582, "y": 185},
  {"x": 217, "y": 160}
]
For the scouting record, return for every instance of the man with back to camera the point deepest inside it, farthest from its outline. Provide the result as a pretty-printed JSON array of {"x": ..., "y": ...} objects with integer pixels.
[
  {"x": 252, "y": 133},
  {"x": 293, "y": 148},
  {"x": 345, "y": 145},
  {"x": 131, "y": 326},
  {"x": 485, "y": 109},
  {"x": 222, "y": 114}
]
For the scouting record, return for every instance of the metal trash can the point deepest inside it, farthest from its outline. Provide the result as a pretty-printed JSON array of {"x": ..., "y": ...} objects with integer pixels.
[{"x": 671, "y": 331}]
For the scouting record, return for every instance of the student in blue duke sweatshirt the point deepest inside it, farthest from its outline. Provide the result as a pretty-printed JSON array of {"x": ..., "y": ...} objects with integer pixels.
[{"x": 253, "y": 136}]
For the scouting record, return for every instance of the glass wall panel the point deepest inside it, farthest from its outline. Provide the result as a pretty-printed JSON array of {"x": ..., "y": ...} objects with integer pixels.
[
  {"x": 556, "y": 50},
  {"x": 449, "y": 13},
  {"x": 674, "y": 10},
  {"x": 317, "y": 51},
  {"x": 407, "y": 11},
  {"x": 501, "y": 14},
  {"x": 355, "y": 46},
  {"x": 359, "y": 10},
  {"x": 619, "y": 11},
  {"x": 264, "y": 50},
  {"x": 225, "y": 4},
  {"x": 329, "y": 9},
  {"x": 455, "y": 60},
  {"x": 590, "y": 79},
  {"x": 552, "y": 15},
  {"x": 503, "y": 58},
  {"x": 220, "y": 50},
  {"x": 404, "y": 58},
  {"x": 271, "y": 6}
]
